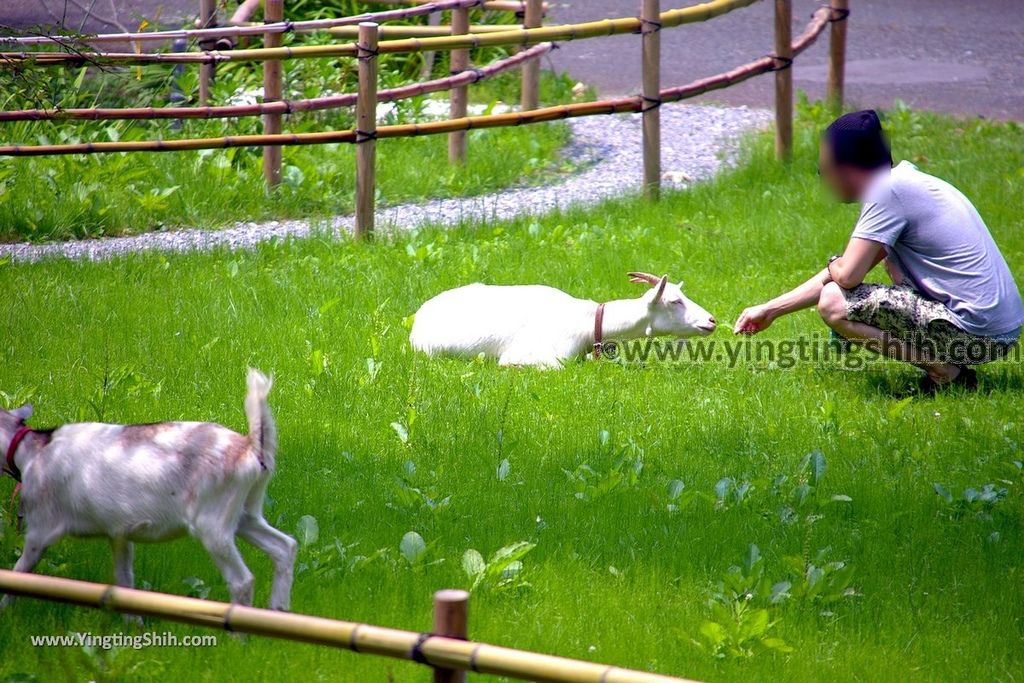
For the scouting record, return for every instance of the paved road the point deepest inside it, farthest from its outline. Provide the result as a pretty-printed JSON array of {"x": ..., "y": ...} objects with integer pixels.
[{"x": 959, "y": 56}]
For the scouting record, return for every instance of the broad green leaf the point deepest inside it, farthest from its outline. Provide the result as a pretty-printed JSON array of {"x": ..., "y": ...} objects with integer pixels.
[
  {"x": 308, "y": 530},
  {"x": 751, "y": 558},
  {"x": 413, "y": 547},
  {"x": 401, "y": 431},
  {"x": 503, "y": 469},
  {"x": 713, "y": 633},
  {"x": 943, "y": 492},
  {"x": 816, "y": 463},
  {"x": 473, "y": 563}
]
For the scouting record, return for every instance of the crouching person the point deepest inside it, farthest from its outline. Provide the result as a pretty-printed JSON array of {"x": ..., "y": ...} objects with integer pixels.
[{"x": 953, "y": 302}]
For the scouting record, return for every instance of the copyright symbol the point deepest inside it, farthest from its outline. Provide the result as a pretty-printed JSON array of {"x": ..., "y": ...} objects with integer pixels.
[{"x": 610, "y": 350}]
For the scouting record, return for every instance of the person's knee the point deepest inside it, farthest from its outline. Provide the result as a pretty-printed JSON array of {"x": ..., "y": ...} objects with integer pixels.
[{"x": 832, "y": 304}]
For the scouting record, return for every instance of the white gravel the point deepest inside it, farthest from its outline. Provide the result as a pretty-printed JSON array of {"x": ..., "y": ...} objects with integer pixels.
[{"x": 696, "y": 141}]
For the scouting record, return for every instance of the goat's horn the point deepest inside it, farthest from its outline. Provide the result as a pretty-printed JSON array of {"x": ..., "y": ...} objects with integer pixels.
[{"x": 645, "y": 278}]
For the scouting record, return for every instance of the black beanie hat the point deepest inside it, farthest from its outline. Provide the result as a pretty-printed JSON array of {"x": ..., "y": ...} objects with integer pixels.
[{"x": 858, "y": 140}]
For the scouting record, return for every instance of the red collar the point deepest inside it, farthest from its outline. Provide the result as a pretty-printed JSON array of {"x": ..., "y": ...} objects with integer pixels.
[
  {"x": 16, "y": 440},
  {"x": 598, "y": 336}
]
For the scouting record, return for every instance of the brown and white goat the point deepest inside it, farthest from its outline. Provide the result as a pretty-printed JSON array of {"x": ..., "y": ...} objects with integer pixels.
[{"x": 151, "y": 483}]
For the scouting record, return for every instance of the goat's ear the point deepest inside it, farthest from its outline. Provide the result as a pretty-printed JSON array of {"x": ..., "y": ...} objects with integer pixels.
[
  {"x": 659, "y": 290},
  {"x": 23, "y": 413}
]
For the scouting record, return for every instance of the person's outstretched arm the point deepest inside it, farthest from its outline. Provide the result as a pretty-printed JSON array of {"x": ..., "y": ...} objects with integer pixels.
[
  {"x": 757, "y": 318},
  {"x": 848, "y": 271}
]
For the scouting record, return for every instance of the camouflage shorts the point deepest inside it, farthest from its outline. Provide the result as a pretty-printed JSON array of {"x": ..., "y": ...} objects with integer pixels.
[{"x": 926, "y": 325}]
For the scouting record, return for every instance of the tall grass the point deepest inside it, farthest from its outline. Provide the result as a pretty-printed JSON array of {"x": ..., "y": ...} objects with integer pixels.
[{"x": 615, "y": 472}]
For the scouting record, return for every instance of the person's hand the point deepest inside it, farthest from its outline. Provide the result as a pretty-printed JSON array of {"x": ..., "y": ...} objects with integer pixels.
[{"x": 753, "y": 320}]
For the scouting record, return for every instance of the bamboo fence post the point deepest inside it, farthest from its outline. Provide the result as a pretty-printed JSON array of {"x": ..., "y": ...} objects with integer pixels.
[
  {"x": 366, "y": 130},
  {"x": 837, "y": 61},
  {"x": 650, "y": 31},
  {"x": 451, "y": 615},
  {"x": 460, "y": 95},
  {"x": 272, "y": 91},
  {"x": 783, "y": 79},
  {"x": 207, "y": 19},
  {"x": 533, "y": 17}
]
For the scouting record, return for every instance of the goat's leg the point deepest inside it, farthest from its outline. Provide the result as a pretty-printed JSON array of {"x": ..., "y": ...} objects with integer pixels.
[
  {"x": 36, "y": 544},
  {"x": 281, "y": 549},
  {"x": 124, "y": 559},
  {"x": 523, "y": 356},
  {"x": 124, "y": 570},
  {"x": 221, "y": 546}
]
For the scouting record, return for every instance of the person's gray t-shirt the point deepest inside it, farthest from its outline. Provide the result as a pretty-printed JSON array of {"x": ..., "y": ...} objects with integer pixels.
[{"x": 938, "y": 240}]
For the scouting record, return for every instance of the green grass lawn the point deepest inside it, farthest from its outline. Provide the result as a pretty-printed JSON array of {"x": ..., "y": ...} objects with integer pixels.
[
  {"x": 56, "y": 198},
  {"x": 377, "y": 441}
]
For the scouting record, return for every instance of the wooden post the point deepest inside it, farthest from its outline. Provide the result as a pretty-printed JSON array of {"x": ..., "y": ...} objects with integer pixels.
[
  {"x": 650, "y": 31},
  {"x": 837, "y": 61},
  {"x": 451, "y": 614},
  {"x": 533, "y": 17},
  {"x": 460, "y": 95},
  {"x": 207, "y": 19},
  {"x": 784, "y": 79},
  {"x": 272, "y": 91},
  {"x": 366, "y": 130}
]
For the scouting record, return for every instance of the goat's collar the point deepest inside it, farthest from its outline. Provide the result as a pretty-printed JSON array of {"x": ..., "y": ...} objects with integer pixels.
[
  {"x": 598, "y": 331},
  {"x": 16, "y": 440}
]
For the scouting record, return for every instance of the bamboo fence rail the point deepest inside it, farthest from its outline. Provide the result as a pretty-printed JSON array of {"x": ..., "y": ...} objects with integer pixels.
[
  {"x": 517, "y": 6},
  {"x": 258, "y": 29},
  {"x": 514, "y": 37},
  {"x": 819, "y": 21},
  {"x": 395, "y": 32},
  {"x": 432, "y": 650},
  {"x": 284, "y": 106}
]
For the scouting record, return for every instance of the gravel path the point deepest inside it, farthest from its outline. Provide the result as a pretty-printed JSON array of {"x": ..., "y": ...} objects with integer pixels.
[{"x": 697, "y": 140}]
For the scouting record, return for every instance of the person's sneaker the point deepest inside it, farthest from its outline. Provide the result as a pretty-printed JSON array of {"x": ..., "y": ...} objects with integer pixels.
[{"x": 967, "y": 379}]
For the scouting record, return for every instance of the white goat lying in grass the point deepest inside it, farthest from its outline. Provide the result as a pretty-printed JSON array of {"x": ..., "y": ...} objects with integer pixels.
[
  {"x": 543, "y": 326},
  {"x": 150, "y": 483}
]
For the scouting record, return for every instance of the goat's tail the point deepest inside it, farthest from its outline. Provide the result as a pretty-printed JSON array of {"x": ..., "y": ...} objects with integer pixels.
[{"x": 262, "y": 430}]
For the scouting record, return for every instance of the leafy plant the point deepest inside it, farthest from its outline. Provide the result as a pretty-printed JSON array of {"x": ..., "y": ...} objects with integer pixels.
[
  {"x": 332, "y": 559},
  {"x": 418, "y": 497},
  {"x": 730, "y": 493},
  {"x": 123, "y": 379},
  {"x": 804, "y": 500},
  {"x": 414, "y": 549},
  {"x": 627, "y": 464},
  {"x": 197, "y": 588},
  {"x": 743, "y": 607},
  {"x": 503, "y": 572},
  {"x": 979, "y": 502},
  {"x": 820, "y": 583}
]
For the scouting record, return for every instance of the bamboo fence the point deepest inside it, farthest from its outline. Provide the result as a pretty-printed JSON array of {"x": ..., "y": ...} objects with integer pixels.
[
  {"x": 442, "y": 652},
  {"x": 510, "y": 38},
  {"x": 284, "y": 106},
  {"x": 213, "y": 33},
  {"x": 765, "y": 64},
  {"x": 459, "y": 38}
]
